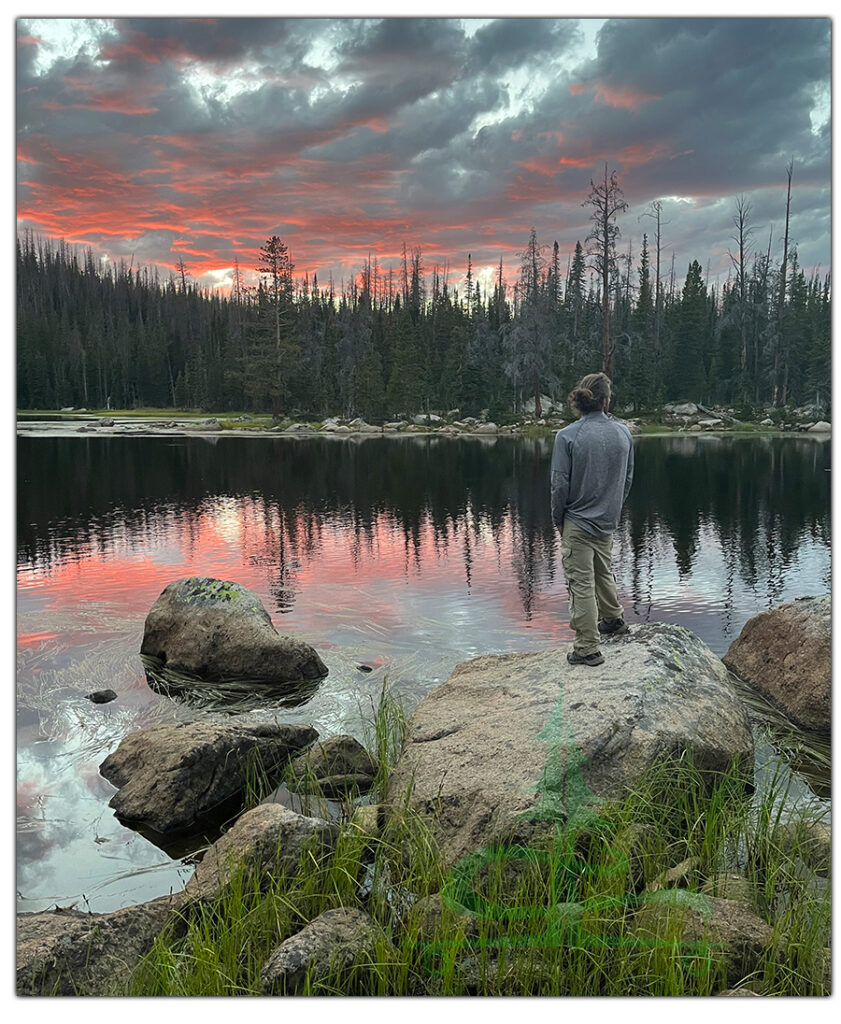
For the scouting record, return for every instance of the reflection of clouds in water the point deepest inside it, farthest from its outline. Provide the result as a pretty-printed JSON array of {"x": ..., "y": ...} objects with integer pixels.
[
  {"x": 62, "y": 814},
  {"x": 384, "y": 556}
]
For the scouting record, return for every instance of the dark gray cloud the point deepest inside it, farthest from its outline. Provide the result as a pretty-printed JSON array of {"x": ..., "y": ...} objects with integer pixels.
[
  {"x": 169, "y": 137},
  {"x": 523, "y": 42}
]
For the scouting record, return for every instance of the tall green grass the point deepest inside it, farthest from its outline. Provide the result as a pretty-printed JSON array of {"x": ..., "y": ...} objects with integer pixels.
[{"x": 561, "y": 916}]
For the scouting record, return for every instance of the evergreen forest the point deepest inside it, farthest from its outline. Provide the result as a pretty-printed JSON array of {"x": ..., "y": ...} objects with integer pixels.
[{"x": 403, "y": 340}]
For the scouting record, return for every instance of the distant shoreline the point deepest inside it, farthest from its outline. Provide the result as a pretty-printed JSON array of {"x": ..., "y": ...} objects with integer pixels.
[{"x": 158, "y": 424}]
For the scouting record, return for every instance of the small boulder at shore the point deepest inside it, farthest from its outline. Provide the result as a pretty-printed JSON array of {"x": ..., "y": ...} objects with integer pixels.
[
  {"x": 205, "y": 426},
  {"x": 269, "y": 840},
  {"x": 69, "y": 952},
  {"x": 219, "y": 631},
  {"x": 325, "y": 948},
  {"x": 787, "y": 653},
  {"x": 516, "y": 739},
  {"x": 338, "y": 764},
  {"x": 727, "y": 928},
  {"x": 173, "y": 778}
]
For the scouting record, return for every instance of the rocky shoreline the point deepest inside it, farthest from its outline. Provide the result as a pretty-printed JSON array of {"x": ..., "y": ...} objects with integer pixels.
[
  {"x": 680, "y": 417},
  {"x": 508, "y": 750}
]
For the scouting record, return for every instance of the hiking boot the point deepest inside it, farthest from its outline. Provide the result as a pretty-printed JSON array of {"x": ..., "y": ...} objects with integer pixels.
[
  {"x": 613, "y": 627},
  {"x": 596, "y": 658}
]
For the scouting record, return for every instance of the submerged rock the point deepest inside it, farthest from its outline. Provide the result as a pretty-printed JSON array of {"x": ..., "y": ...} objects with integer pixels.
[
  {"x": 325, "y": 948},
  {"x": 219, "y": 631},
  {"x": 269, "y": 840},
  {"x": 510, "y": 740},
  {"x": 67, "y": 952},
  {"x": 787, "y": 653},
  {"x": 172, "y": 778},
  {"x": 102, "y": 696}
]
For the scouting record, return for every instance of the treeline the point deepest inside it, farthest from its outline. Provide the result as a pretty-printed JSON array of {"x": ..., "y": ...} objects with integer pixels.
[{"x": 405, "y": 341}]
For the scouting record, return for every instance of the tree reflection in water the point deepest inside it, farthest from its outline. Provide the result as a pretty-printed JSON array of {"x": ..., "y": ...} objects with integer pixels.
[{"x": 741, "y": 512}]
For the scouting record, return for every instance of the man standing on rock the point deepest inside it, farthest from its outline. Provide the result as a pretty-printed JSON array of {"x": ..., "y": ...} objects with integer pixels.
[{"x": 592, "y": 470}]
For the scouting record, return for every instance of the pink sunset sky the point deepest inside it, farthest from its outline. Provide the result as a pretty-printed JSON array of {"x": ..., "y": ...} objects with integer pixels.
[{"x": 167, "y": 139}]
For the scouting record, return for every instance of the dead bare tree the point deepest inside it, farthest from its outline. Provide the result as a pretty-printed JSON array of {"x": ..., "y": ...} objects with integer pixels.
[
  {"x": 741, "y": 238},
  {"x": 655, "y": 210},
  {"x": 607, "y": 200},
  {"x": 780, "y": 371}
]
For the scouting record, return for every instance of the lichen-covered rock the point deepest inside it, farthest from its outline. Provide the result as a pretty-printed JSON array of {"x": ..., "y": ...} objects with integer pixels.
[
  {"x": 512, "y": 739},
  {"x": 67, "y": 952},
  {"x": 339, "y": 764},
  {"x": 326, "y": 948},
  {"x": 172, "y": 778},
  {"x": 219, "y": 631},
  {"x": 269, "y": 840},
  {"x": 787, "y": 653}
]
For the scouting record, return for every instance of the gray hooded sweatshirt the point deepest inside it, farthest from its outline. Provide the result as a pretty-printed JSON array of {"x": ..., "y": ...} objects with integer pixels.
[{"x": 592, "y": 471}]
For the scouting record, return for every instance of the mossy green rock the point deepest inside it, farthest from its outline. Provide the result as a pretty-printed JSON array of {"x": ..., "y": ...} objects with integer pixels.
[{"x": 219, "y": 631}]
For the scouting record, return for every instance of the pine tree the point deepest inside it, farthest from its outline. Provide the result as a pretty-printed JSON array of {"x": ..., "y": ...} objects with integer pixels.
[
  {"x": 688, "y": 378},
  {"x": 275, "y": 264}
]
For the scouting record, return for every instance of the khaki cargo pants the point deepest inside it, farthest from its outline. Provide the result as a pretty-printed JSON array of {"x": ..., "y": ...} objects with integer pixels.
[{"x": 591, "y": 584}]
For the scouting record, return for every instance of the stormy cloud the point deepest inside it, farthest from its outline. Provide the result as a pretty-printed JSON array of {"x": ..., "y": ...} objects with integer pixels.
[{"x": 169, "y": 139}]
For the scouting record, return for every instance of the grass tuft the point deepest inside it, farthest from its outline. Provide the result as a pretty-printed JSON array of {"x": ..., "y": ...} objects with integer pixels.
[{"x": 562, "y": 917}]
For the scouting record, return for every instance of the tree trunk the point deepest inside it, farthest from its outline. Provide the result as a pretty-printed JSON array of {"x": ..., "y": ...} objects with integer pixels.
[{"x": 779, "y": 387}]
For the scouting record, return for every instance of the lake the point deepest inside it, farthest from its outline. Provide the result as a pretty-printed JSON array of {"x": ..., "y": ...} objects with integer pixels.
[{"x": 405, "y": 555}]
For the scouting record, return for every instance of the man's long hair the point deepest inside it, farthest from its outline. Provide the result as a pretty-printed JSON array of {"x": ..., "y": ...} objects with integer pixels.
[{"x": 591, "y": 394}]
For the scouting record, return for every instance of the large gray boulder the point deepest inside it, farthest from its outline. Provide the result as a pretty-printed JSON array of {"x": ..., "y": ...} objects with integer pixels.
[
  {"x": 787, "y": 653},
  {"x": 514, "y": 738},
  {"x": 173, "y": 778},
  {"x": 326, "y": 947},
  {"x": 68, "y": 952},
  {"x": 268, "y": 840},
  {"x": 219, "y": 631}
]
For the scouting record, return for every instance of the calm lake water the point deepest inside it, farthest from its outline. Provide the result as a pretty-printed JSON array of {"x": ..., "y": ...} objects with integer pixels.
[{"x": 406, "y": 554}]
